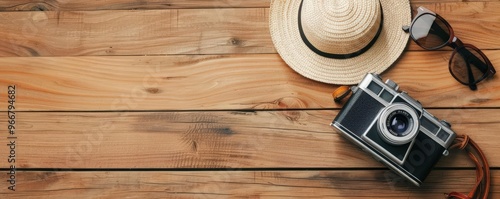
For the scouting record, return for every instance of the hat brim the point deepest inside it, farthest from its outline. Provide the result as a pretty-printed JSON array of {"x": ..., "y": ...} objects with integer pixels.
[{"x": 385, "y": 51}]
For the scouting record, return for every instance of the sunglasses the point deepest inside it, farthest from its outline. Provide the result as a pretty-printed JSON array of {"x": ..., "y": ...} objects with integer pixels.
[{"x": 468, "y": 65}]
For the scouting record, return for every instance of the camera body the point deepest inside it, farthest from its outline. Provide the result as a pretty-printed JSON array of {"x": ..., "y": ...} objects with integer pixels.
[{"x": 394, "y": 128}]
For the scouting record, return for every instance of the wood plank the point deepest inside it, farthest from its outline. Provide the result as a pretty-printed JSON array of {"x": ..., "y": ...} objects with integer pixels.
[
  {"x": 135, "y": 32},
  {"x": 188, "y": 31},
  {"x": 240, "y": 184},
  {"x": 220, "y": 139},
  {"x": 214, "y": 82},
  {"x": 64, "y": 5},
  {"x": 80, "y": 5}
]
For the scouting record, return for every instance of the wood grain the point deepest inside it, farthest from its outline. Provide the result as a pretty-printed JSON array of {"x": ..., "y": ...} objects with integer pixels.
[
  {"x": 153, "y": 32},
  {"x": 240, "y": 184},
  {"x": 80, "y": 5},
  {"x": 63, "y": 5},
  {"x": 214, "y": 82},
  {"x": 220, "y": 139},
  {"x": 188, "y": 31}
]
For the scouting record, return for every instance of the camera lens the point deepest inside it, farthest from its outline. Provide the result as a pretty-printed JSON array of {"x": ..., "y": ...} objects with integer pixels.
[{"x": 398, "y": 123}]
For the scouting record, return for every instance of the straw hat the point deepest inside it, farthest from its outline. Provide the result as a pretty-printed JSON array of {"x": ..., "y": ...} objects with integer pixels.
[{"x": 339, "y": 41}]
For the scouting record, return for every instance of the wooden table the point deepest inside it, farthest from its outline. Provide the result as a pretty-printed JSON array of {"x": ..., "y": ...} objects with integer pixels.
[{"x": 189, "y": 99}]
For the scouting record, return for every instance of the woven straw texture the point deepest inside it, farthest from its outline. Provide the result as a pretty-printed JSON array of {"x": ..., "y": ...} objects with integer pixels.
[{"x": 339, "y": 27}]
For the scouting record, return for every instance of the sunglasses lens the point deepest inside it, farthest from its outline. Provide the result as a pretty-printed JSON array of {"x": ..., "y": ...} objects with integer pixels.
[
  {"x": 430, "y": 32},
  {"x": 468, "y": 65}
]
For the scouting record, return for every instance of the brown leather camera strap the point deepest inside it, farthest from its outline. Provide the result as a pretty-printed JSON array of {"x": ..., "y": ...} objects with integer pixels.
[
  {"x": 482, "y": 187},
  {"x": 340, "y": 93}
]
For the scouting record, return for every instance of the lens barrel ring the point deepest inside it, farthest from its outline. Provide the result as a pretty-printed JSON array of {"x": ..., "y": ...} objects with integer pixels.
[{"x": 389, "y": 135}]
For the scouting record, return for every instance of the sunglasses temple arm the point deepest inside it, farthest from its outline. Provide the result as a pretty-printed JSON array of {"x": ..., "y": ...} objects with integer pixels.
[
  {"x": 443, "y": 34},
  {"x": 467, "y": 55},
  {"x": 455, "y": 43},
  {"x": 472, "y": 84}
]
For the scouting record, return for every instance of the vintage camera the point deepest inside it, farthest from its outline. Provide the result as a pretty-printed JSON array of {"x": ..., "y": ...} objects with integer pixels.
[{"x": 394, "y": 128}]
